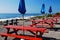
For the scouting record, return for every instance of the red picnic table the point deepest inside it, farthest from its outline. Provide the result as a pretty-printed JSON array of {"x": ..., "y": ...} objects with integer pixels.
[
  {"x": 24, "y": 28},
  {"x": 47, "y": 21},
  {"x": 56, "y": 18}
]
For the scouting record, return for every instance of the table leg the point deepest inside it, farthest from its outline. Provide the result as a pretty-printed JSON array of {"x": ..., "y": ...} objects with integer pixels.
[
  {"x": 7, "y": 32},
  {"x": 16, "y": 39},
  {"x": 15, "y": 31}
]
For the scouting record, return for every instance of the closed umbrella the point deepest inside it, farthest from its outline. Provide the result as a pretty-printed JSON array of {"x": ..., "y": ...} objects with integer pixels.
[
  {"x": 22, "y": 10},
  {"x": 50, "y": 9},
  {"x": 43, "y": 10}
]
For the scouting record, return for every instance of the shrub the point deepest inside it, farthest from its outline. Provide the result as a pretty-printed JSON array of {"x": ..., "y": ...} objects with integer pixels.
[
  {"x": 39, "y": 17},
  {"x": 57, "y": 13},
  {"x": 49, "y": 15}
]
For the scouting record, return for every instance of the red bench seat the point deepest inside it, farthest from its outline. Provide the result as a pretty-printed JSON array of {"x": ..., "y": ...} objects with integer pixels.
[{"x": 20, "y": 36}]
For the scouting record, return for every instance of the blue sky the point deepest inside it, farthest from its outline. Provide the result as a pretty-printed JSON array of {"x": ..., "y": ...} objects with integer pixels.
[{"x": 32, "y": 6}]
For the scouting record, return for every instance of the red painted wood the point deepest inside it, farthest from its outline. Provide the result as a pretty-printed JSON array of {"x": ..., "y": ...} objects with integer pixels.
[
  {"x": 20, "y": 36},
  {"x": 50, "y": 21},
  {"x": 34, "y": 29}
]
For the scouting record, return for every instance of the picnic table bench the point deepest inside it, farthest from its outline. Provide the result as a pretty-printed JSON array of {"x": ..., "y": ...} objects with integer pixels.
[
  {"x": 49, "y": 22},
  {"x": 21, "y": 36},
  {"x": 25, "y": 28}
]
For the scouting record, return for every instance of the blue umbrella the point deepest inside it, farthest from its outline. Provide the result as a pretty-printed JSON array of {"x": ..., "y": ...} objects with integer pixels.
[
  {"x": 22, "y": 10},
  {"x": 50, "y": 9},
  {"x": 43, "y": 9}
]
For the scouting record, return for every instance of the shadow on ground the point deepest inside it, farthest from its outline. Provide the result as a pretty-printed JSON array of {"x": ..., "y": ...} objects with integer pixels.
[
  {"x": 44, "y": 38},
  {"x": 49, "y": 38}
]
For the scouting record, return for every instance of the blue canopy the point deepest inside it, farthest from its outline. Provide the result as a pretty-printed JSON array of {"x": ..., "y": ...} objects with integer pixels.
[
  {"x": 43, "y": 9},
  {"x": 50, "y": 9},
  {"x": 22, "y": 8}
]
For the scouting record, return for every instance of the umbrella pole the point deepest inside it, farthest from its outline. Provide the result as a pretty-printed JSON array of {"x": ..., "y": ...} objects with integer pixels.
[
  {"x": 43, "y": 16},
  {"x": 23, "y": 23},
  {"x": 42, "y": 19}
]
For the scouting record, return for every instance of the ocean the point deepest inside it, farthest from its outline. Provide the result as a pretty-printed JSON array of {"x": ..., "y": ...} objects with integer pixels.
[{"x": 15, "y": 15}]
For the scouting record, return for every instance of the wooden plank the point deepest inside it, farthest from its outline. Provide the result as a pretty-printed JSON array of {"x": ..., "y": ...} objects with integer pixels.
[
  {"x": 40, "y": 24},
  {"x": 34, "y": 29},
  {"x": 20, "y": 36}
]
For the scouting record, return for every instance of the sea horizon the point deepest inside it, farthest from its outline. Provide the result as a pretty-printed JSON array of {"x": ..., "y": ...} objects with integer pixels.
[{"x": 14, "y": 15}]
